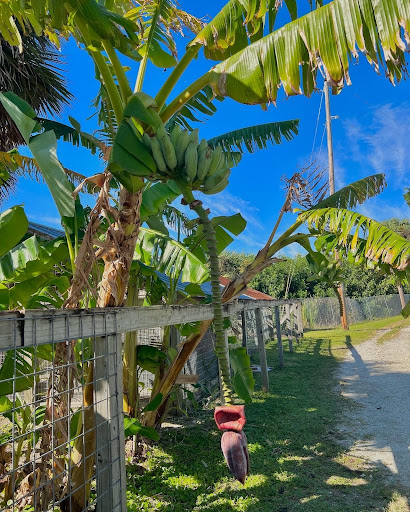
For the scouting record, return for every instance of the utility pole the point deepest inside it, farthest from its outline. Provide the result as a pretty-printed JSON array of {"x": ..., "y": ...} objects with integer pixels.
[{"x": 340, "y": 288}]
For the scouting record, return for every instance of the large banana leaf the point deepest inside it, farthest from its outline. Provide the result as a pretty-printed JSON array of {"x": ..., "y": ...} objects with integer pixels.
[
  {"x": 242, "y": 380},
  {"x": 355, "y": 232},
  {"x": 31, "y": 258},
  {"x": 54, "y": 17},
  {"x": 237, "y": 23},
  {"x": 17, "y": 371},
  {"x": 169, "y": 256},
  {"x": 256, "y": 137},
  {"x": 156, "y": 196},
  {"x": 330, "y": 36},
  {"x": 44, "y": 290},
  {"x": 44, "y": 150},
  {"x": 355, "y": 193},
  {"x": 13, "y": 226},
  {"x": 223, "y": 225}
]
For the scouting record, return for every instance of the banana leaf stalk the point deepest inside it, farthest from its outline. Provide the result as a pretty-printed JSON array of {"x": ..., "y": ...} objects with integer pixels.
[{"x": 220, "y": 346}]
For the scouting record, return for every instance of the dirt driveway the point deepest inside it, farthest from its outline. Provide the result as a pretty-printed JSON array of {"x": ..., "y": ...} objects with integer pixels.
[{"x": 377, "y": 376}]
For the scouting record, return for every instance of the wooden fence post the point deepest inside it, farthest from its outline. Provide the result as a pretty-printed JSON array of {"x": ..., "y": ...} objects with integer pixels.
[
  {"x": 279, "y": 335},
  {"x": 299, "y": 319},
  {"x": 109, "y": 425},
  {"x": 288, "y": 323},
  {"x": 244, "y": 331},
  {"x": 262, "y": 350}
]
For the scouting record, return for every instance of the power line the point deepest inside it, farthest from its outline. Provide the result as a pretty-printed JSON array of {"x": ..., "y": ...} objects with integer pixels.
[{"x": 317, "y": 124}]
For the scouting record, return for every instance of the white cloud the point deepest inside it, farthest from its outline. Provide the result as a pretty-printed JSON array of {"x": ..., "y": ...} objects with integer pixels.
[{"x": 379, "y": 142}]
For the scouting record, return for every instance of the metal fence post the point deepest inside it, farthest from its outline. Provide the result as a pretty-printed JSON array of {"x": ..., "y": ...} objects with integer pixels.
[
  {"x": 109, "y": 425},
  {"x": 279, "y": 335},
  {"x": 262, "y": 350},
  {"x": 244, "y": 331}
]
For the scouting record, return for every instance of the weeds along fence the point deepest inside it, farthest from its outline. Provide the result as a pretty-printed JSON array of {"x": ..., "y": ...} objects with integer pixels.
[
  {"x": 62, "y": 445},
  {"x": 321, "y": 312}
]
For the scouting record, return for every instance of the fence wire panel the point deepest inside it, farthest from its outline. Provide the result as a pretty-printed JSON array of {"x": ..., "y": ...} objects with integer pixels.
[
  {"x": 324, "y": 311},
  {"x": 61, "y": 423}
]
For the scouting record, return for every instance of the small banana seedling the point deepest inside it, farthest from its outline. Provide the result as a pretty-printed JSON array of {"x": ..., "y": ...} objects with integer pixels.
[{"x": 143, "y": 149}]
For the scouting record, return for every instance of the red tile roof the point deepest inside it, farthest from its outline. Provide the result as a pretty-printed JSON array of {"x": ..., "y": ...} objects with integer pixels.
[{"x": 250, "y": 292}]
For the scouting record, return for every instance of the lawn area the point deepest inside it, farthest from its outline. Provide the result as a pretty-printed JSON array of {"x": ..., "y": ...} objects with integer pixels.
[{"x": 296, "y": 462}]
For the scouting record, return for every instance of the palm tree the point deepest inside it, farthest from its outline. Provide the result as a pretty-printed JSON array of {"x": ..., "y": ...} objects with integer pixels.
[{"x": 34, "y": 75}]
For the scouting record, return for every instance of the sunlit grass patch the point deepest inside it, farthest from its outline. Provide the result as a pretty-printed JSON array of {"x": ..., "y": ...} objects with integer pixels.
[{"x": 297, "y": 462}]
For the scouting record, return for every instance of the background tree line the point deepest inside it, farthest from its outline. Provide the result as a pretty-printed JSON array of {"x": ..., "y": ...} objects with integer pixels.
[{"x": 292, "y": 277}]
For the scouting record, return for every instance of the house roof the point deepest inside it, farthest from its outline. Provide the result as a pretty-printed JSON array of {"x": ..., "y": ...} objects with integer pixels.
[
  {"x": 248, "y": 293},
  {"x": 44, "y": 231}
]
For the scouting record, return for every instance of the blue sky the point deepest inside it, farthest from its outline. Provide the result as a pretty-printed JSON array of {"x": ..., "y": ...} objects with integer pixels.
[{"x": 371, "y": 135}]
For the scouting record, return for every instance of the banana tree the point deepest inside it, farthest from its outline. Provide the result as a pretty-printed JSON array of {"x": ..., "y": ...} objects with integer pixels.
[
  {"x": 253, "y": 66},
  {"x": 350, "y": 231}
]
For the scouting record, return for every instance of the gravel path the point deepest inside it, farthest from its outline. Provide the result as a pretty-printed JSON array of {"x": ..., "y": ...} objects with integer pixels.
[{"x": 377, "y": 376}]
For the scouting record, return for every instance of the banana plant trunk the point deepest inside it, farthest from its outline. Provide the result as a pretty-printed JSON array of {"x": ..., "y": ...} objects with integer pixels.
[
  {"x": 342, "y": 302},
  {"x": 121, "y": 241},
  {"x": 401, "y": 295}
]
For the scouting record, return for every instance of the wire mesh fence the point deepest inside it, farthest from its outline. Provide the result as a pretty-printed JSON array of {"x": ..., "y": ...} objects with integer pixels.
[
  {"x": 321, "y": 312},
  {"x": 61, "y": 427},
  {"x": 62, "y": 445}
]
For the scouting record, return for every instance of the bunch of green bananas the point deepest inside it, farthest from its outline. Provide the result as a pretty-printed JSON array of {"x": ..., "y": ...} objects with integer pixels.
[
  {"x": 327, "y": 270},
  {"x": 180, "y": 155}
]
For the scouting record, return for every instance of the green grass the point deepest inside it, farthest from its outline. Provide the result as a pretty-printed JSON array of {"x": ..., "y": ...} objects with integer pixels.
[{"x": 296, "y": 462}]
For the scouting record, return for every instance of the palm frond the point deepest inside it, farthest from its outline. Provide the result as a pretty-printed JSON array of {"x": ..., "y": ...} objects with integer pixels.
[
  {"x": 329, "y": 36},
  {"x": 200, "y": 103},
  {"x": 35, "y": 76},
  {"x": 159, "y": 20},
  {"x": 16, "y": 165},
  {"x": 356, "y": 193},
  {"x": 355, "y": 232},
  {"x": 73, "y": 134},
  {"x": 256, "y": 137},
  {"x": 55, "y": 19}
]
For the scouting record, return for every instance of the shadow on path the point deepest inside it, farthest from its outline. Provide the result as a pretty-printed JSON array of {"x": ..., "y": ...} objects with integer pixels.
[{"x": 377, "y": 376}]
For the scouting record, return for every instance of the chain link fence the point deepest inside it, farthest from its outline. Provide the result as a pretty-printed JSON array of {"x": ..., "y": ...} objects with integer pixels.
[{"x": 320, "y": 312}]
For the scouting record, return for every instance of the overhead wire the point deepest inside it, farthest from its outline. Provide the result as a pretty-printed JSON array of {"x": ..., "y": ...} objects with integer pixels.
[{"x": 317, "y": 125}]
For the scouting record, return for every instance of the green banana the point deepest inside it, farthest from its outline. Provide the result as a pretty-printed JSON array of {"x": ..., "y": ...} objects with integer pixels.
[
  {"x": 204, "y": 162},
  {"x": 191, "y": 160},
  {"x": 146, "y": 140},
  {"x": 167, "y": 147},
  {"x": 157, "y": 154},
  {"x": 216, "y": 189},
  {"x": 182, "y": 144},
  {"x": 216, "y": 160},
  {"x": 217, "y": 178},
  {"x": 193, "y": 136},
  {"x": 176, "y": 132},
  {"x": 202, "y": 146}
]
